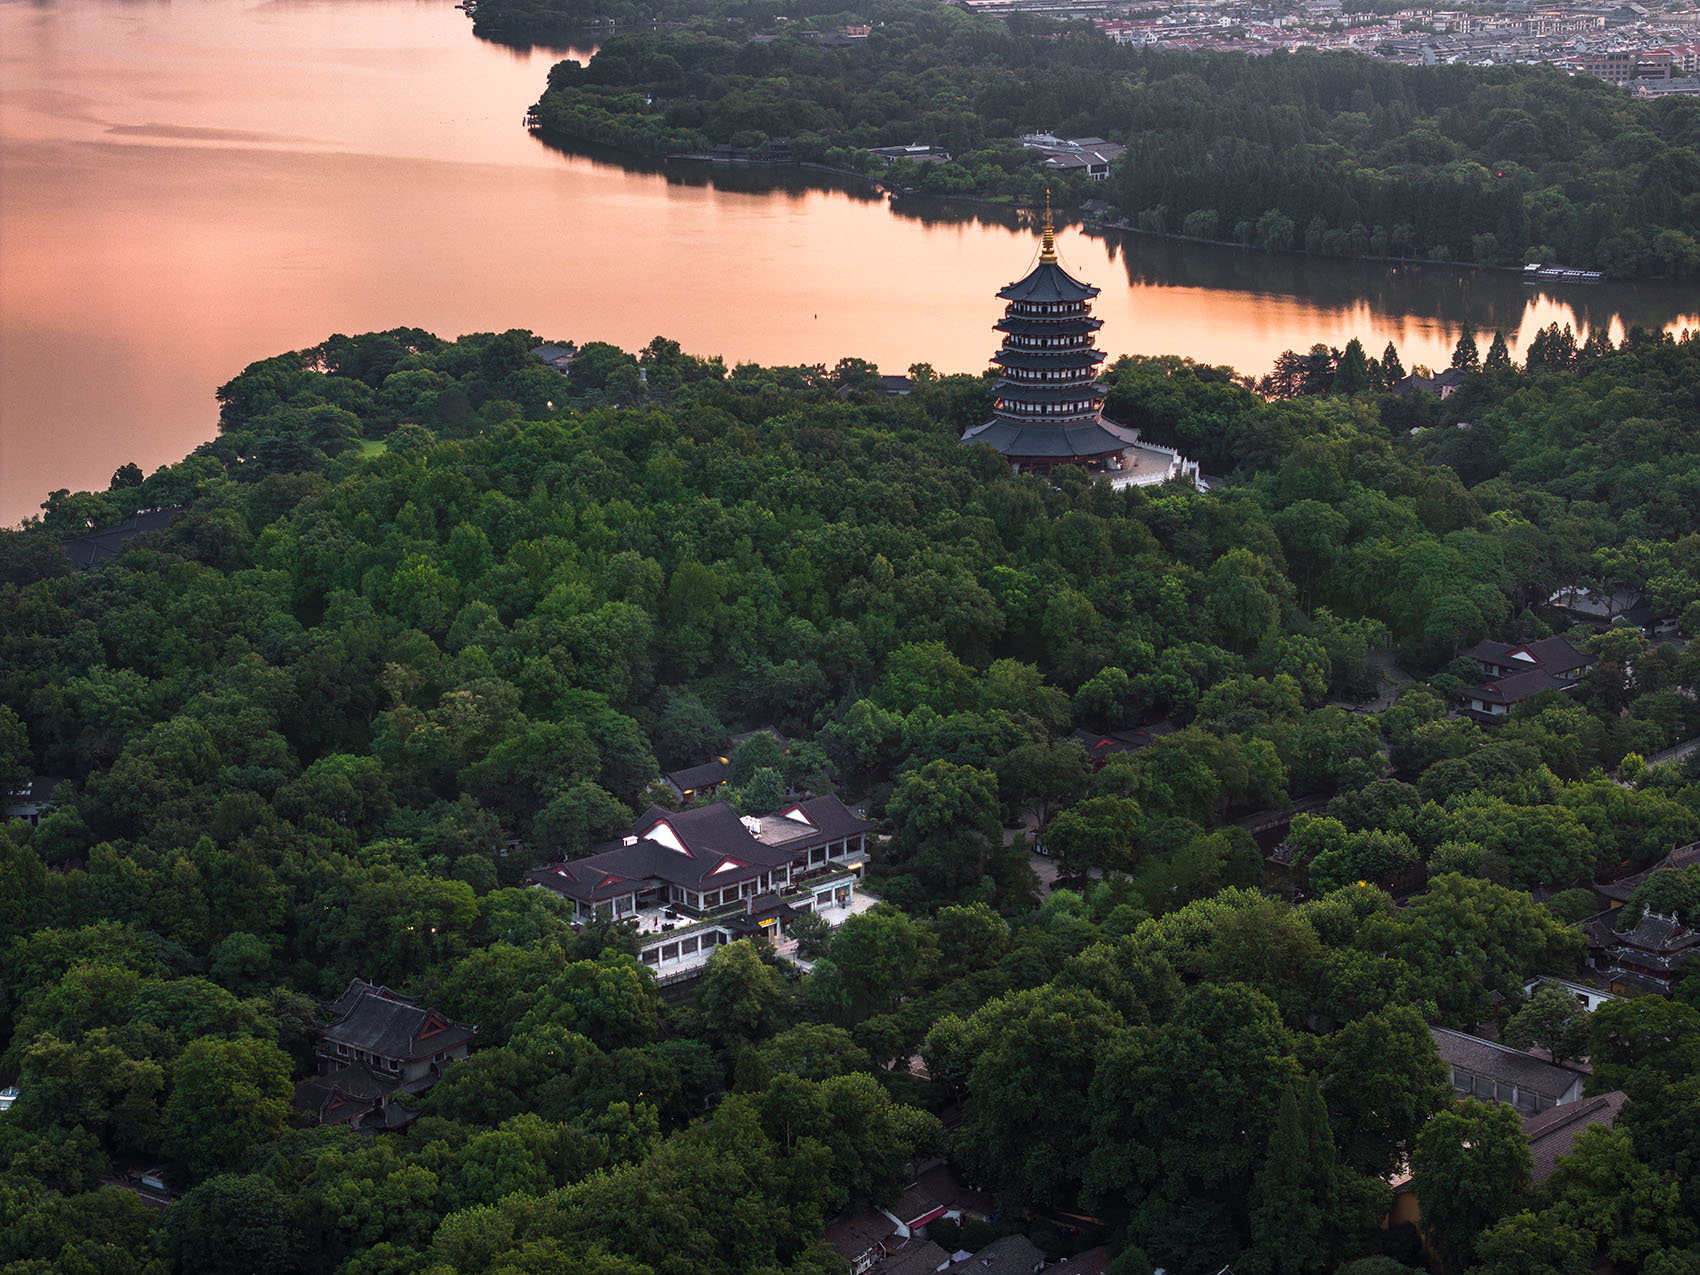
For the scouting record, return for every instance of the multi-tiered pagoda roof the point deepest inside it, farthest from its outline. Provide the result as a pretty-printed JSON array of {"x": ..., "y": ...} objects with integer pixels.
[{"x": 1048, "y": 401}]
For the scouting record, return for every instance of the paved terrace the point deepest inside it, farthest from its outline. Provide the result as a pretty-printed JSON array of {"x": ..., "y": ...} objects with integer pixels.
[
  {"x": 1145, "y": 464},
  {"x": 687, "y": 966}
]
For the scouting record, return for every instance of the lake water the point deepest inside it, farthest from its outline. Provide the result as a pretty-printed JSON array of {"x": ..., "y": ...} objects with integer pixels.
[{"x": 189, "y": 186}]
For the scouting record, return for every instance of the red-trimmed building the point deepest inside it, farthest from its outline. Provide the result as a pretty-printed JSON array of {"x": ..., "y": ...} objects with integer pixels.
[
  {"x": 1516, "y": 673},
  {"x": 1644, "y": 956},
  {"x": 378, "y": 1045},
  {"x": 1100, "y": 746},
  {"x": 690, "y": 880}
]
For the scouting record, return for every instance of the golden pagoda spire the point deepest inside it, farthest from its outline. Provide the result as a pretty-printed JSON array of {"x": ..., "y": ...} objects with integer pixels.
[{"x": 1048, "y": 249}]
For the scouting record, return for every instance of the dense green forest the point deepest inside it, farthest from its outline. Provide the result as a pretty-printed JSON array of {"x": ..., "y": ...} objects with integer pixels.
[
  {"x": 425, "y": 597},
  {"x": 1335, "y": 154}
]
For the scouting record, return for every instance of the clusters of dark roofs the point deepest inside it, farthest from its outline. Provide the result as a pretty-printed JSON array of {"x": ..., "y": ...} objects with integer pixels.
[
  {"x": 891, "y": 1240},
  {"x": 1551, "y": 1133},
  {"x": 1653, "y": 947}
]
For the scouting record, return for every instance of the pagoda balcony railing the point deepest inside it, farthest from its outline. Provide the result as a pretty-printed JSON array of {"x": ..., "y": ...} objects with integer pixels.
[{"x": 1047, "y": 412}]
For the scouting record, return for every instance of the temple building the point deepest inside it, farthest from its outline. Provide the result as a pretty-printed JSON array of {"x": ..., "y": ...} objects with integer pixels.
[
  {"x": 379, "y": 1046},
  {"x": 1049, "y": 403}
]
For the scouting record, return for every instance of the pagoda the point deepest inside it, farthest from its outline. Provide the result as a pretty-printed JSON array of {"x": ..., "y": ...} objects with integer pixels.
[{"x": 1049, "y": 403}]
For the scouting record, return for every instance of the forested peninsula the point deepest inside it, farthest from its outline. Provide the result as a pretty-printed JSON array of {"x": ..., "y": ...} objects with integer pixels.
[
  {"x": 1331, "y": 154},
  {"x": 431, "y": 614}
]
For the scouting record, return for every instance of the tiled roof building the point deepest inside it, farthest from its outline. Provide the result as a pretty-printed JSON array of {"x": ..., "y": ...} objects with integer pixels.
[
  {"x": 1552, "y": 1133},
  {"x": 1515, "y": 673},
  {"x": 693, "y": 879},
  {"x": 1008, "y": 1255},
  {"x": 1497, "y": 1073},
  {"x": 1100, "y": 746},
  {"x": 378, "y": 1044},
  {"x": 1048, "y": 403},
  {"x": 1645, "y": 954},
  {"x": 1618, "y": 892}
]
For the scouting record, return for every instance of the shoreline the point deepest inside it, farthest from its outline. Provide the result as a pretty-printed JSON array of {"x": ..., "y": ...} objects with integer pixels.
[{"x": 1089, "y": 225}]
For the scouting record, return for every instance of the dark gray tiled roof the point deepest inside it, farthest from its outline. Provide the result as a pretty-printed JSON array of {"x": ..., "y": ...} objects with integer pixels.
[
  {"x": 915, "y": 1257},
  {"x": 762, "y": 909},
  {"x": 855, "y": 1233},
  {"x": 942, "y": 1183},
  {"x": 1517, "y": 687},
  {"x": 1083, "y": 438},
  {"x": 39, "y": 789},
  {"x": 692, "y": 778},
  {"x": 342, "y": 1097},
  {"x": 832, "y": 819},
  {"x": 1101, "y": 744},
  {"x": 1658, "y": 933},
  {"x": 356, "y": 990},
  {"x": 1079, "y": 357},
  {"x": 718, "y": 849},
  {"x": 1048, "y": 283},
  {"x": 1652, "y": 944},
  {"x": 1483, "y": 1058},
  {"x": 1094, "y": 1261},
  {"x": 378, "y": 1021},
  {"x": 1010, "y": 1255},
  {"x": 913, "y": 1205},
  {"x": 1687, "y": 856},
  {"x": 1020, "y": 324},
  {"x": 1602, "y": 604},
  {"x": 1059, "y": 393},
  {"x": 1553, "y": 654},
  {"x": 98, "y": 547},
  {"x": 1552, "y": 1133}
]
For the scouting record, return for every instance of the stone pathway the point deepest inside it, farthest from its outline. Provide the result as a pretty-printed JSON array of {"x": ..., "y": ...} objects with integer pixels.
[{"x": 1391, "y": 678}]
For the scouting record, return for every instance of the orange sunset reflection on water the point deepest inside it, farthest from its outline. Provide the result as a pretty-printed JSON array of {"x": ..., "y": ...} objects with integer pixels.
[{"x": 188, "y": 187}]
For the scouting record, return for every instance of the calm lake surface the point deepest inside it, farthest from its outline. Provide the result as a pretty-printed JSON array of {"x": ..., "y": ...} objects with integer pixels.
[{"x": 189, "y": 186}]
